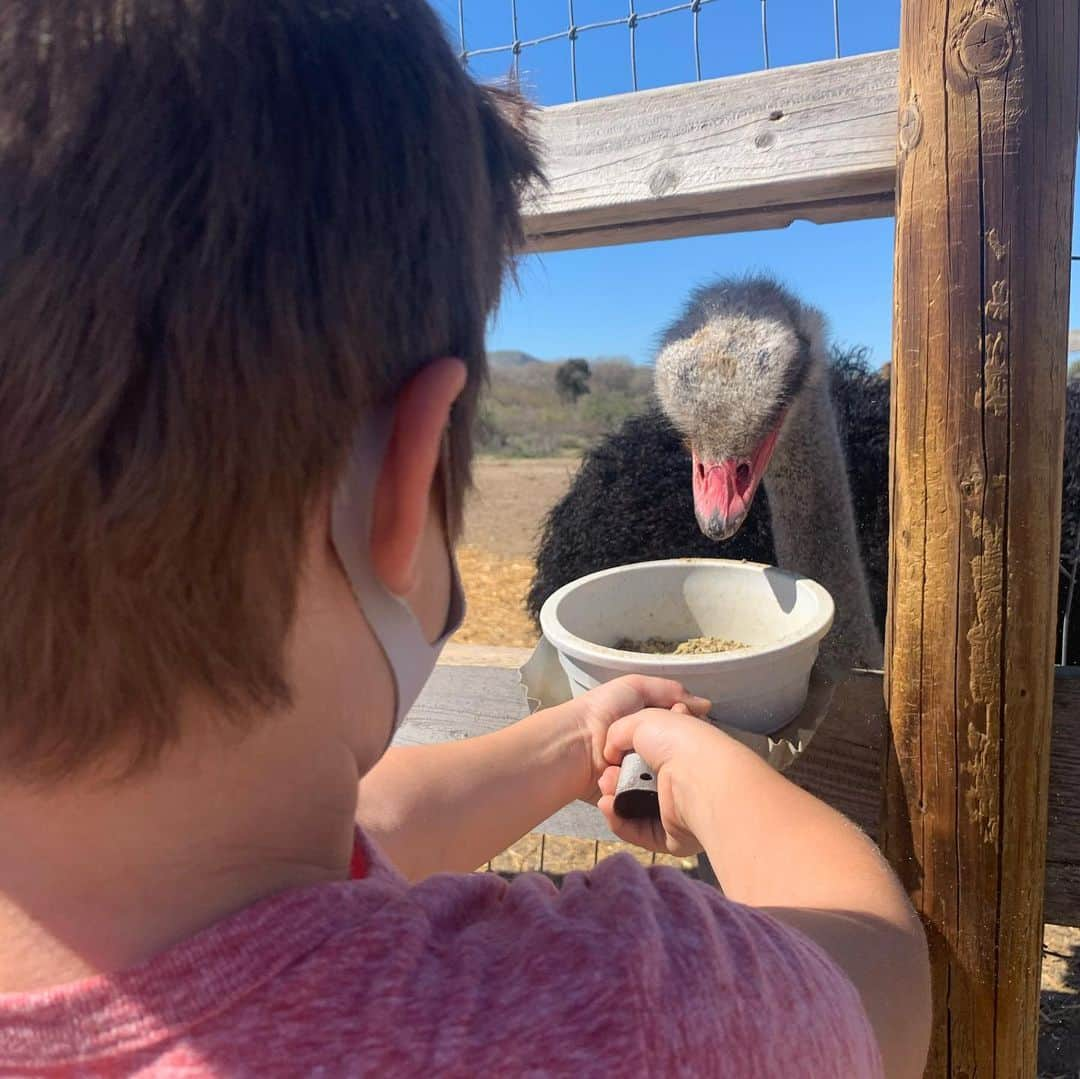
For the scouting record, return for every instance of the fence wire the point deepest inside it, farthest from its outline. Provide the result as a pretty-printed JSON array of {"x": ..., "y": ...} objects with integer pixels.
[{"x": 632, "y": 20}]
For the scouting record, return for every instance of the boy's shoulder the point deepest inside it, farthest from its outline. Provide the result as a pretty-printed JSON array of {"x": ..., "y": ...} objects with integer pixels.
[{"x": 638, "y": 969}]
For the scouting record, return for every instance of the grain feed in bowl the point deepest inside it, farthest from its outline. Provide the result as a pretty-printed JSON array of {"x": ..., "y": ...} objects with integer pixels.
[{"x": 695, "y": 646}]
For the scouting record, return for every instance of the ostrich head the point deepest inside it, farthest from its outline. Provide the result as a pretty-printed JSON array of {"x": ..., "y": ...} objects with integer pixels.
[{"x": 728, "y": 374}]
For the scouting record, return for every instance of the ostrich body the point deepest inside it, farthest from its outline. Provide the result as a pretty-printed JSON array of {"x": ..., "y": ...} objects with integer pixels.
[{"x": 743, "y": 382}]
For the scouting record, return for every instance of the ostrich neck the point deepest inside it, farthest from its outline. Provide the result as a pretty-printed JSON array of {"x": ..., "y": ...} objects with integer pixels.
[{"x": 813, "y": 523}]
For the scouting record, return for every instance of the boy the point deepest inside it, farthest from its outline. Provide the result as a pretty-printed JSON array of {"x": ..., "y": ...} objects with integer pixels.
[{"x": 247, "y": 254}]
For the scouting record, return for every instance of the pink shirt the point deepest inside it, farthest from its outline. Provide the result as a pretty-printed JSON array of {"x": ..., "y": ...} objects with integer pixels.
[{"x": 625, "y": 971}]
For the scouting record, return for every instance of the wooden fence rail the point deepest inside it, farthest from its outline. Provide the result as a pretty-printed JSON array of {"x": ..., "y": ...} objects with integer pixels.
[{"x": 814, "y": 142}]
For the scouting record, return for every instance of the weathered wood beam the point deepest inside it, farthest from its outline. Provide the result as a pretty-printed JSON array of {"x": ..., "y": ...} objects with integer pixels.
[
  {"x": 988, "y": 124},
  {"x": 842, "y": 766},
  {"x": 814, "y": 142}
]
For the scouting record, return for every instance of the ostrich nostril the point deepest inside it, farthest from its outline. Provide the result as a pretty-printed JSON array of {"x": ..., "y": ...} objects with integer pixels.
[
  {"x": 700, "y": 470},
  {"x": 742, "y": 478}
]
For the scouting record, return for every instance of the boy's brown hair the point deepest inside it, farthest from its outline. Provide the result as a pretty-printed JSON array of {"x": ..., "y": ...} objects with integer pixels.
[{"x": 226, "y": 228}]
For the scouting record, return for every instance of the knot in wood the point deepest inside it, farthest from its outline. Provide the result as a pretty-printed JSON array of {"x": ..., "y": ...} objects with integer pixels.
[
  {"x": 911, "y": 126},
  {"x": 663, "y": 180},
  {"x": 986, "y": 46}
]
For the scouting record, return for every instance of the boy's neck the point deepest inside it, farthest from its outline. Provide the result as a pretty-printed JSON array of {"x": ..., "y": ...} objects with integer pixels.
[{"x": 95, "y": 879}]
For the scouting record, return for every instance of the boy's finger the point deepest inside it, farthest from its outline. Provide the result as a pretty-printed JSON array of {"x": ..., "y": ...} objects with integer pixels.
[
  {"x": 665, "y": 692},
  {"x": 609, "y": 780},
  {"x": 699, "y": 706},
  {"x": 622, "y": 733},
  {"x": 620, "y": 737}
]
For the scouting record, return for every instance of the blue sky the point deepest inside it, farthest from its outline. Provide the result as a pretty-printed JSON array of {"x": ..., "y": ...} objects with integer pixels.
[{"x": 615, "y": 300}]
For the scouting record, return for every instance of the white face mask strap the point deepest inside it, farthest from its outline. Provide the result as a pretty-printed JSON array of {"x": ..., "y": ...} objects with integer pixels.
[{"x": 410, "y": 656}]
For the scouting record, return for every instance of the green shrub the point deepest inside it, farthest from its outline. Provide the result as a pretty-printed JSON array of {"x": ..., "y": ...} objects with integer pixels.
[{"x": 522, "y": 414}]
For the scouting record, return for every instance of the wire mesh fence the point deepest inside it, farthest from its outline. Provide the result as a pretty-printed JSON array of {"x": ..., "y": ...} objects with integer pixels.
[{"x": 635, "y": 20}]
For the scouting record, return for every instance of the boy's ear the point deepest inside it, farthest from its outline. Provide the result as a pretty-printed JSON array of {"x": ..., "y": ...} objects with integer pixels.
[{"x": 404, "y": 489}]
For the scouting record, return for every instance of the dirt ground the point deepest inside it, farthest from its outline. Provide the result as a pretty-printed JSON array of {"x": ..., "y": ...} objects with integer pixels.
[
  {"x": 502, "y": 523},
  {"x": 511, "y": 497},
  {"x": 501, "y": 528}
]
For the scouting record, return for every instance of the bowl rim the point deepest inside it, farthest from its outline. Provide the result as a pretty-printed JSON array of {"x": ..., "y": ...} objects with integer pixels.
[{"x": 576, "y": 647}]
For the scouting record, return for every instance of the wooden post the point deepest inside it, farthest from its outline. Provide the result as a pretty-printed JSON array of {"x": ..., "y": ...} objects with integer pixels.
[{"x": 987, "y": 136}]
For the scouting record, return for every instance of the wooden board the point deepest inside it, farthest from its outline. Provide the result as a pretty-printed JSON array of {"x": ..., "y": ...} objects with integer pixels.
[
  {"x": 988, "y": 123},
  {"x": 556, "y": 855},
  {"x": 817, "y": 141},
  {"x": 461, "y": 702},
  {"x": 843, "y": 765},
  {"x": 483, "y": 655}
]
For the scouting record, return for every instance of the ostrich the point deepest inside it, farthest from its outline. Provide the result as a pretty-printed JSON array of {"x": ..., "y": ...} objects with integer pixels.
[{"x": 747, "y": 394}]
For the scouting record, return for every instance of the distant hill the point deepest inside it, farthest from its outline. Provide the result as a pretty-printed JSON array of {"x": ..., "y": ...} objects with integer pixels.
[
  {"x": 521, "y": 414},
  {"x": 511, "y": 358},
  {"x": 1074, "y": 340}
]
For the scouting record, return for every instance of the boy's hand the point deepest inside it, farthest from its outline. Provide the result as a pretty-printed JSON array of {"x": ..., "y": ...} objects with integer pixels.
[
  {"x": 685, "y": 754},
  {"x": 594, "y": 712}
]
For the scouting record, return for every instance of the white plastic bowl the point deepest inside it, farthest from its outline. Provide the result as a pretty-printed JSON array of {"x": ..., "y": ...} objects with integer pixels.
[{"x": 781, "y": 616}]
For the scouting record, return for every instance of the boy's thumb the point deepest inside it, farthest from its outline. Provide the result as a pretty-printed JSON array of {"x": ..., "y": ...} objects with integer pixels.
[{"x": 623, "y": 735}]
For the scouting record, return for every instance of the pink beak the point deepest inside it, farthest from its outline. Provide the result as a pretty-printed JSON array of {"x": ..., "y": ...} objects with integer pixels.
[{"x": 724, "y": 490}]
